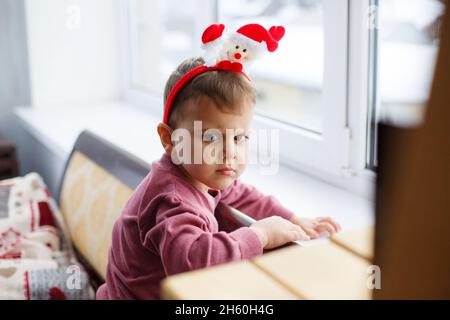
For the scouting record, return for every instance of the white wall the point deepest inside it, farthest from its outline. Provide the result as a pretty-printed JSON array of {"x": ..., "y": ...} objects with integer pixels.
[
  {"x": 74, "y": 51},
  {"x": 65, "y": 64},
  {"x": 35, "y": 156},
  {"x": 14, "y": 79}
]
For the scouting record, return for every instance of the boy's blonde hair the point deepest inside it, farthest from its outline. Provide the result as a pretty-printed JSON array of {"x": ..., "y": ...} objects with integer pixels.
[{"x": 225, "y": 88}]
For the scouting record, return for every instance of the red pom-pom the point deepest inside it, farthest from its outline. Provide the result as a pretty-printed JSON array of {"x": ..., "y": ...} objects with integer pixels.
[
  {"x": 213, "y": 32},
  {"x": 277, "y": 32}
]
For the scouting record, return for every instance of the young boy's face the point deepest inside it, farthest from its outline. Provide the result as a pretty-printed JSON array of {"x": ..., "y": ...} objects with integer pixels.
[{"x": 224, "y": 141}]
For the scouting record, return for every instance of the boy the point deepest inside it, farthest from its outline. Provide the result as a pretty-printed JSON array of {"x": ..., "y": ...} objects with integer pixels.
[{"x": 168, "y": 224}]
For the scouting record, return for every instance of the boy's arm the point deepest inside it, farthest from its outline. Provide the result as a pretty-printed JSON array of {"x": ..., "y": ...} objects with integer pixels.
[
  {"x": 252, "y": 202},
  {"x": 184, "y": 241}
]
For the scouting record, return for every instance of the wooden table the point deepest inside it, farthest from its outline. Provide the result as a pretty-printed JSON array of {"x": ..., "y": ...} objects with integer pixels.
[{"x": 333, "y": 269}]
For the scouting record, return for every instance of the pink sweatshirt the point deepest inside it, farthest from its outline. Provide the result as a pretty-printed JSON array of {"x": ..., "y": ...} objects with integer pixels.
[{"x": 168, "y": 226}]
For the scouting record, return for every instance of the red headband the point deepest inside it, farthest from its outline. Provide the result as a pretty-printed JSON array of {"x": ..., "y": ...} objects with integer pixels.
[
  {"x": 224, "y": 65},
  {"x": 228, "y": 52}
]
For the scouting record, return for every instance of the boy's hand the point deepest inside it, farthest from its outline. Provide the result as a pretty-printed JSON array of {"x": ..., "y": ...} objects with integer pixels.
[
  {"x": 275, "y": 231},
  {"x": 313, "y": 227}
]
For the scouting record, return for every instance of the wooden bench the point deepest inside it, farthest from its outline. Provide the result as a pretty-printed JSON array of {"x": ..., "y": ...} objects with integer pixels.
[{"x": 97, "y": 181}]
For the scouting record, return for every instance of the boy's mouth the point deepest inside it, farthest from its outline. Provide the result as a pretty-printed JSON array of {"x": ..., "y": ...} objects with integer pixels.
[{"x": 227, "y": 171}]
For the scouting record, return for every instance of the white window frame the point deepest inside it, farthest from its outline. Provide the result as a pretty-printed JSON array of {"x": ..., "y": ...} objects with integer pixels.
[
  {"x": 361, "y": 179},
  {"x": 336, "y": 155}
]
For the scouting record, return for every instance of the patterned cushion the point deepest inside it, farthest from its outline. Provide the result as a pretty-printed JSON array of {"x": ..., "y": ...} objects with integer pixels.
[
  {"x": 36, "y": 258},
  {"x": 91, "y": 200}
]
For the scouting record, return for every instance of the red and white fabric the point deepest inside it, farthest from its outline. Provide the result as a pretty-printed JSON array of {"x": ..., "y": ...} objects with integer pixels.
[{"x": 36, "y": 259}]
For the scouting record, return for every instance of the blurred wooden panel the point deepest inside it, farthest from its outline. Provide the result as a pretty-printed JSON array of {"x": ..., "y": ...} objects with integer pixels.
[
  {"x": 413, "y": 192},
  {"x": 239, "y": 280},
  {"x": 323, "y": 271},
  {"x": 358, "y": 241}
]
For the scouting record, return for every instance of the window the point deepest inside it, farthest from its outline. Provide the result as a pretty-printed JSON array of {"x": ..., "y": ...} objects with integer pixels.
[
  {"x": 302, "y": 86},
  {"x": 333, "y": 78},
  {"x": 289, "y": 82},
  {"x": 403, "y": 51},
  {"x": 163, "y": 34}
]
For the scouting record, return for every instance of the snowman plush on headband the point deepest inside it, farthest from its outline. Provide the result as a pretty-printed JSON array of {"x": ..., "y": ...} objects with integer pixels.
[
  {"x": 243, "y": 46},
  {"x": 233, "y": 51}
]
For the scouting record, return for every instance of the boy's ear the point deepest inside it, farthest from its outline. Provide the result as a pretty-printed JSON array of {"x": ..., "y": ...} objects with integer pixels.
[{"x": 165, "y": 135}]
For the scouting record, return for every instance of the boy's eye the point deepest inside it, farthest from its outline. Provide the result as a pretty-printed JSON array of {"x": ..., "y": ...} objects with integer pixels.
[
  {"x": 237, "y": 47},
  {"x": 211, "y": 137},
  {"x": 240, "y": 138}
]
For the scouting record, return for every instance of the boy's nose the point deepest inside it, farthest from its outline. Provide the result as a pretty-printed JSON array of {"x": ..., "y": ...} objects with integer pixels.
[
  {"x": 229, "y": 152},
  {"x": 237, "y": 55}
]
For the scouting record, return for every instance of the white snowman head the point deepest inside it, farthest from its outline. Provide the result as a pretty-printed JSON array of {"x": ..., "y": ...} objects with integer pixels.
[{"x": 238, "y": 48}]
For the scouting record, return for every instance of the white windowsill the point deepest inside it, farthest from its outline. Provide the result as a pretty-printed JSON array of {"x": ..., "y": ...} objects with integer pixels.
[{"x": 134, "y": 129}]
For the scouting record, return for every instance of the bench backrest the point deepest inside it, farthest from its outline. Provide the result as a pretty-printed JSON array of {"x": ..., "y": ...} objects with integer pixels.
[{"x": 98, "y": 180}]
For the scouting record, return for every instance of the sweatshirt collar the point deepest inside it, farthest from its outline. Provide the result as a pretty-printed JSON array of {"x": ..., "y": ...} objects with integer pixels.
[{"x": 212, "y": 196}]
